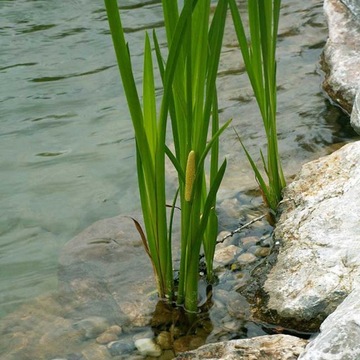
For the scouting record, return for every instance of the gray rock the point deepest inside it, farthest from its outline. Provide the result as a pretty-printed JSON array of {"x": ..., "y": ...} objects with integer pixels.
[
  {"x": 339, "y": 336},
  {"x": 353, "y": 6},
  {"x": 275, "y": 347},
  {"x": 91, "y": 280},
  {"x": 121, "y": 347},
  {"x": 355, "y": 114},
  {"x": 262, "y": 251},
  {"x": 318, "y": 263},
  {"x": 341, "y": 54}
]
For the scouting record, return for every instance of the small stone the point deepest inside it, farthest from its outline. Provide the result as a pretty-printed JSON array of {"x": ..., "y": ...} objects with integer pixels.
[
  {"x": 147, "y": 347},
  {"x": 232, "y": 326},
  {"x": 106, "y": 337},
  {"x": 92, "y": 326},
  {"x": 226, "y": 255},
  {"x": 188, "y": 342},
  {"x": 249, "y": 241},
  {"x": 114, "y": 329},
  {"x": 95, "y": 352},
  {"x": 138, "y": 312},
  {"x": 120, "y": 347},
  {"x": 222, "y": 235},
  {"x": 262, "y": 251},
  {"x": 267, "y": 242},
  {"x": 246, "y": 258},
  {"x": 167, "y": 355},
  {"x": 232, "y": 207},
  {"x": 252, "y": 249},
  {"x": 164, "y": 339}
]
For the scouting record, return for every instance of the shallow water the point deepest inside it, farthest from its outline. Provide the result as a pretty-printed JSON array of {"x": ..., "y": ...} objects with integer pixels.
[{"x": 67, "y": 151}]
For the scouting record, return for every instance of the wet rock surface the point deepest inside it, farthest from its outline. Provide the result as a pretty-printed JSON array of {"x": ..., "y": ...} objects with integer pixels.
[
  {"x": 353, "y": 6},
  {"x": 355, "y": 114},
  {"x": 276, "y": 347},
  {"x": 341, "y": 57},
  {"x": 318, "y": 263},
  {"x": 339, "y": 336}
]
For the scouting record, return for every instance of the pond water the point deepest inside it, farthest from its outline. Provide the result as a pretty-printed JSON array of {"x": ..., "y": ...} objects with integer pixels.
[{"x": 67, "y": 149}]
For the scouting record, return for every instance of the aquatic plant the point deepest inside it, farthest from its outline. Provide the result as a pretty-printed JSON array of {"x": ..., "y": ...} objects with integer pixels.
[
  {"x": 188, "y": 76},
  {"x": 258, "y": 50}
]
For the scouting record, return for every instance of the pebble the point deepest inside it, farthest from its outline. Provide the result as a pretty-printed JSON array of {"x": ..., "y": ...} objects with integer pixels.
[
  {"x": 226, "y": 255},
  {"x": 92, "y": 326},
  {"x": 114, "y": 329},
  {"x": 147, "y": 347},
  {"x": 164, "y": 339},
  {"x": 232, "y": 326},
  {"x": 232, "y": 207},
  {"x": 120, "y": 347},
  {"x": 188, "y": 342},
  {"x": 253, "y": 249},
  {"x": 139, "y": 312},
  {"x": 106, "y": 337},
  {"x": 267, "y": 241},
  {"x": 249, "y": 241},
  {"x": 167, "y": 355},
  {"x": 262, "y": 251},
  {"x": 246, "y": 258},
  {"x": 220, "y": 237}
]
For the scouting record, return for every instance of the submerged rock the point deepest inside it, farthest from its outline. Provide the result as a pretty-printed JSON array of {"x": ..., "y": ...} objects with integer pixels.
[
  {"x": 91, "y": 281},
  {"x": 225, "y": 255},
  {"x": 148, "y": 347},
  {"x": 120, "y": 347},
  {"x": 339, "y": 336},
  {"x": 341, "y": 58},
  {"x": 318, "y": 264},
  {"x": 92, "y": 326},
  {"x": 274, "y": 347}
]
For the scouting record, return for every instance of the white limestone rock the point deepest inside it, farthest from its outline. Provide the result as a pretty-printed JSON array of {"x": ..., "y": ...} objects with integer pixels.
[
  {"x": 275, "y": 347},
  {"x": 342, "y": 53},
  {"x": 147, "y": 347},
  {"x": 355, "y": 114},
  {"x": 318, "y": 263},
  {"x": 339, "y": 336}
]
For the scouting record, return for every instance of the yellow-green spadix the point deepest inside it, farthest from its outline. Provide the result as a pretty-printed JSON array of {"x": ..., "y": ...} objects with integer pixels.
[{"x": 190, "y": 175}]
